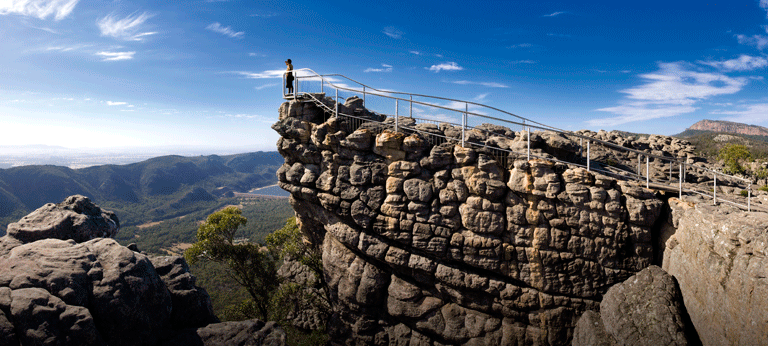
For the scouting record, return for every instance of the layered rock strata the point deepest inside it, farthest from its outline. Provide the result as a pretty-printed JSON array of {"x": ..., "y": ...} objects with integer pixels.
[
  {"x": 62, "y": 283},
  {"x": 720, "y": 260},
  {"x": 428, "y": 242}
]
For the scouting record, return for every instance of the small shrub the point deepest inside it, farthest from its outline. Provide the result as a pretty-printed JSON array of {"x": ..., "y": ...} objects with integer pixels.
[
  {"x": 744, "y": 193},
  {"x": 764, "y": 188}
]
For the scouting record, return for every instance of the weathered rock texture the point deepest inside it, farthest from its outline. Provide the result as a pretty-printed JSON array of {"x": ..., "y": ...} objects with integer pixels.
[
  {"x": 644, "y": 310},
  {"x": 62, "y": 284},
  {"x": 427, "y": 242},
  {"x": 720, "y": 262}
]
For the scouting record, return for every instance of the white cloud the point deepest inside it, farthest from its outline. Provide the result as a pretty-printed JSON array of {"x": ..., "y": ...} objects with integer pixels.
[
  {"x": 264, "y": 74},
  {"x": 60, "y": 9},
  {"x": 764, "y": 4},
  {"x": 671, "y": 91},
  {"x": 392, "y": 32},
  {"x": 558, "y": 35},
  {"x": 126, "y": 28},
  {"x": 521, "y": 45},
  {"x": 554, "y": 14},
  {"x": 480, "y": 97},
  {"x": 225, "y": 30},
  {"x": 524, "y": 62},
  {"x": 116, "y": 103},
  {"x": 415, "y": 52},
  {"x": 385, "y": 68},
  {"x": 486, "y": 84},
  {"x": 116, "y": 56},
  {"x": 261, "y": 87},
  {"x": 257, "y": 55},
  {"x": 446, "y": 66},
  {"x": 750, "y": 114},
  {"x": 758, "y": 41},
  {"x": 68, "y": 48},
  {"x": 742, "y": 63}
]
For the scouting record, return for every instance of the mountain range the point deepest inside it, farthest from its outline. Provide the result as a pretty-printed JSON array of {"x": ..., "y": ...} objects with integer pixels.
[{"x": 163, "y": 183}]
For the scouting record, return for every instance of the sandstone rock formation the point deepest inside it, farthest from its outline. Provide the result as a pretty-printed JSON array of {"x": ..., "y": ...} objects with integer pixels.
[
  {"x": 644, "y": 310},
  {"x": 61, "y": 283},
  {"x": 428, "y": 242},
  {"x": 730, "y": 127},
  {"x": 720, "y": 260}
]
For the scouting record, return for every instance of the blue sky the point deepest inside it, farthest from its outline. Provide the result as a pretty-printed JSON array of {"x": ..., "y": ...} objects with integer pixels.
[{"x": 105, "y": 74}]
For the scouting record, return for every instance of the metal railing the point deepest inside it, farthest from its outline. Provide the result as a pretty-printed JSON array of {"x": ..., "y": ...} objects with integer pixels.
[{"x": 469, "y": 117}]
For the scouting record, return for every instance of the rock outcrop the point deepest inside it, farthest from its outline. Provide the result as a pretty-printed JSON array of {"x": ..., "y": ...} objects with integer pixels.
[
  {"x": 720, "y": 260},
  {"x": 729, "y": 127},
  {"x": 646, "y": 309},
  {"x": 62, "y": 283},
  {"x": 428, "y": 242}
]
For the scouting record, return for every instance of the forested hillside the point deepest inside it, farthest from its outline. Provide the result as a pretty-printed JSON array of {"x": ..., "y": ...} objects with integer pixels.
[{"x": 156, "y": 189}]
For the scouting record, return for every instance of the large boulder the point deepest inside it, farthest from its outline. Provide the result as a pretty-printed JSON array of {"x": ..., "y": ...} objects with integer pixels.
[
  {"x": 76, "y": 218},
  {"x": 646, "y": 309}
]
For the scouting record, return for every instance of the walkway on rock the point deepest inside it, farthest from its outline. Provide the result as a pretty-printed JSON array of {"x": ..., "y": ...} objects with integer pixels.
[{"x": 470, "y": 123}]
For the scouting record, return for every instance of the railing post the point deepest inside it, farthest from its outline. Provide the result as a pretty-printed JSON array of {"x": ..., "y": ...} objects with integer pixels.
[
  {"x": 322, "y": 85},
  {"x": 529, "y": 143},
  {"x": 463, "y": 126},
  {"x": 411, "y": 111},
  {"x": 397, "y": 117},
  {"x": 336, "y": 111},
  {"x": 588, "y": 141},
  {"x": 680, "y": 174},
  {"x": 363, "y": 95},
  {"x": 647, "y": 172},
  {"x": 714, "y": 191}
]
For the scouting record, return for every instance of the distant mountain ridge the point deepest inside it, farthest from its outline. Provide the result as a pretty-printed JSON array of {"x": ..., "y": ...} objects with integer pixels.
[
  {"x": 164, "y": 183},
  {"x": 729, "y": 127}
]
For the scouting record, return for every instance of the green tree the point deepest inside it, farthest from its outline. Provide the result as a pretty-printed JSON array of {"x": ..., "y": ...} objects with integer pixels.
[
  {"x": 251, "y": 265},
  {"x": 732, "y": 154}
]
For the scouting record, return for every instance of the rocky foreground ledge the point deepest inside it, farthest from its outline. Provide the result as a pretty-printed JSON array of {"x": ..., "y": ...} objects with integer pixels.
[{"x": 63, "y": 281}]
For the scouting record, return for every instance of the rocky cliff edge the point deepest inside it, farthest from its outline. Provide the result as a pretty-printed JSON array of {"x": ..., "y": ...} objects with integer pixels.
[{"x": 63, "y": 281}]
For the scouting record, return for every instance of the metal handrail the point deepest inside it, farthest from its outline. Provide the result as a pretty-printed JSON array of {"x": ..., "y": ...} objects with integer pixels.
[{"x": 524, "y": 122}]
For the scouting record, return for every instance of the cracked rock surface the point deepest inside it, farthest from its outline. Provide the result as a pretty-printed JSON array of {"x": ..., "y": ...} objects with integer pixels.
[{"x": 426, "y": 242}]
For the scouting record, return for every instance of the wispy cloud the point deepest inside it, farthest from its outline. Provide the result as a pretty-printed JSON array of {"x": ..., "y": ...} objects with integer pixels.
[
  {"x": 558, "y": 35},
  {"x": 116, "y": 103},
  {"x": 68, "y": 48},
  {"x": 60, "y": 9},
  {"x": 524, "y": 62},
  {"x": 262, "y": 87},
  {"x": 764, "y": 4},
  {"x": 415, "y": 52},
  {"x": 263, "y": 74},
  {"x": 481, "y": 97},
  {"x": 257, "y": 55},
  {"x": 116, "y": 56},
  {"x": 742, "y": 63},
  {"x": 264, "y": 14},
  {"x": 521, "y": 45},
  {"x": 751, "y": 114},
  {"x": 486, "y": 84},
  {"x": 225, "y": 30},
  {"x": 446, "y": 66},
  {"x": 671, "y": 91},
  {"x": 127, "y": 29},
  {"x": 758, "y": 41},
  {"x": 554, "y": 14},
  {"x": 385, "y": 68},
  {"x": 393, "y": 32}
]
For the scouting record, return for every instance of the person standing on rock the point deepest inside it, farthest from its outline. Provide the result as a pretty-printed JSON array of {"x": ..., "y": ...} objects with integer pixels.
[{"x": 289, "y": 76}]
